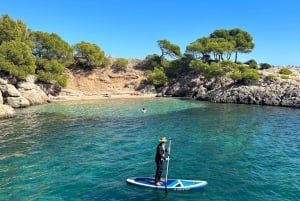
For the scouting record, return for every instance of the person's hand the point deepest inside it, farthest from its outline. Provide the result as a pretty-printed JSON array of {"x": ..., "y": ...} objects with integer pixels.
[{"x": 168, "y": 158}]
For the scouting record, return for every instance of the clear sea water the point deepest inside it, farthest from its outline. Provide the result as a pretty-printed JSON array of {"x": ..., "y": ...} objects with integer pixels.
[{"x": 86, "y": 150}]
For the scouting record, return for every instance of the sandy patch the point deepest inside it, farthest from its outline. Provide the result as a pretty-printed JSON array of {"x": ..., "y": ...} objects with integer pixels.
[{"x": 99, "y": 97}]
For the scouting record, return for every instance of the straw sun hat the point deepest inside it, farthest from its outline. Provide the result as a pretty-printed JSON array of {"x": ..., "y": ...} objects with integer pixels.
[{"x": 163, "y": 139}]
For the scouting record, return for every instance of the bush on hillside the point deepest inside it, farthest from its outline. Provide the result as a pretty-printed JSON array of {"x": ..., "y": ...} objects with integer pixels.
[
  {"x": 265, "y": 66},
  {"x": 157, "y": 77},
  {"x": 285, "y": 71},
  {"x": 252, "y": 64},
  {"x": 120, "y": 64}
]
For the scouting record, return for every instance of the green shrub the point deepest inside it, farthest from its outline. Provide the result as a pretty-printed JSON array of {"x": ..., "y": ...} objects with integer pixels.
[
  {"x": 250, "y": 76},
  {"x": 120, "y": 64},
  {"x": 265, "y": 66},
  {"x": 236, "y": 75},
  {"x": 285, "y": 71},
  {"x": 252, "y": 64},
  {"x": 285, "y": 77},
  {"x": 62, "y": 80},
  {"x": 271, "y": 76},
  {"x": 244, "y": 74},
  {"x": 157, "y": 77}
]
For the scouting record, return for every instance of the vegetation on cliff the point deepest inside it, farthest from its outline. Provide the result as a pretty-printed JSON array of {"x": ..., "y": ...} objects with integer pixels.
[{"x": 207, "y": 55}]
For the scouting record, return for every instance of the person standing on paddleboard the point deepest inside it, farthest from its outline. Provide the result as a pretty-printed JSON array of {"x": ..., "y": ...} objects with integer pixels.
[{"x": 159, "y": 159}]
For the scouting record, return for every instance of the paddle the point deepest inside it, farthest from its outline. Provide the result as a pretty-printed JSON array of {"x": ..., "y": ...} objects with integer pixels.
[{"x": 167, "y": 171}]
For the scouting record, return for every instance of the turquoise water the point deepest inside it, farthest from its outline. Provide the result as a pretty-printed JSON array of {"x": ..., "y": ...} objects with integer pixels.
[{"x": 86, "y": 150}]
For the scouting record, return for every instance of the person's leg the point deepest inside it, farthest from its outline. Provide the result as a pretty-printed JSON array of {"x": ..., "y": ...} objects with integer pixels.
[
  {"x": 160, "y": 169},
  {"x": 157, "y": 175}
]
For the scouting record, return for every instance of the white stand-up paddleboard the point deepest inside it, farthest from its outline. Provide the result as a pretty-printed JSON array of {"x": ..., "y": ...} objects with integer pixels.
[{"x": 172, "y": 184}]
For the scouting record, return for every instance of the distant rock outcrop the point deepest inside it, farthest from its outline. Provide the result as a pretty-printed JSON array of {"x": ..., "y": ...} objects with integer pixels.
[
  {"x": 276, "y": 94},
  {"x": 273, "y": 91},
  {"x": 6, "y": 111}
]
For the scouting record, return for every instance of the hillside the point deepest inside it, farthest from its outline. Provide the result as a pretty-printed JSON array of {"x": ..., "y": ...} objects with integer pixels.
[{"x": 101, "y": 81}]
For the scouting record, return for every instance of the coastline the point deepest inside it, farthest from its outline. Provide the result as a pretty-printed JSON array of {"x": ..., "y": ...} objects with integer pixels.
[{"x": 62, "y": 98}]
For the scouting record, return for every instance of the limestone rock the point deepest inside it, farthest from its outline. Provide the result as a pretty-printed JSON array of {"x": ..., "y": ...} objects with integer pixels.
[
  {"x": 6, "y": 111},
  {"x": 18, "y": 102},
  {"x": 3, "y": 82},
  {"x": 32, "y": 92},
  {"x": 12, "y": 91},
  {"x": 35, "y": 96}
]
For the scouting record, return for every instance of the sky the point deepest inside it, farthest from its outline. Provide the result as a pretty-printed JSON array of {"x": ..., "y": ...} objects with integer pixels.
[{"x": 131, "y": 28}]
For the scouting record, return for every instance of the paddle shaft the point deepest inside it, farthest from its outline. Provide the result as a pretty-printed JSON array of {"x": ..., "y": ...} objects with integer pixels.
[{"x": 167, "y": 171}]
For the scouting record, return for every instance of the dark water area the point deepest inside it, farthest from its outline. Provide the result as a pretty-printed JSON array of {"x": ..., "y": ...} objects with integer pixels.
[{"x": 86, "y": 150}]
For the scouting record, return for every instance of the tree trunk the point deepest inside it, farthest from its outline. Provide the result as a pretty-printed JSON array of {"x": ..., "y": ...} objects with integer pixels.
[{"x": 235, "y": 59}]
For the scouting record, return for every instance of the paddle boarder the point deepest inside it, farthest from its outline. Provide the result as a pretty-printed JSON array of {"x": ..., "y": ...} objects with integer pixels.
[{"x": 159, "y": 159}]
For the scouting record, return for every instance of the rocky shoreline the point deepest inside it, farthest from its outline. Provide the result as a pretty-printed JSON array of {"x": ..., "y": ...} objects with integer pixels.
[
  {"x": 21, "y": 94},
  {"x": 270, "y": 90}
]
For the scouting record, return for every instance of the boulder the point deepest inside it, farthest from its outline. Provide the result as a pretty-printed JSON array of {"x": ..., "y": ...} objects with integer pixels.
[
  {"x": 12, "y": 91},
  {"x": 6, "y": 111},
  {"x": 32, "y": 92},
  {"x": 3, "y": 82},
  {"x": 17, "y": 102},
  {"x": 35, "y": 96},
  {"x": 28, "y": 83}
]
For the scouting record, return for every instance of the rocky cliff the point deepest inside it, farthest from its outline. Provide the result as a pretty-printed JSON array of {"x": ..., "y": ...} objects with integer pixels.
[{"x": 270, "y": 90}]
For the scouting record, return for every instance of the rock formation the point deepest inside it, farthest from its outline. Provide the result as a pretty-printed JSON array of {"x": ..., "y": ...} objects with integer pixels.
[
  {"x": 274, "y": 91},
  {"x": 23, "y": 94}
]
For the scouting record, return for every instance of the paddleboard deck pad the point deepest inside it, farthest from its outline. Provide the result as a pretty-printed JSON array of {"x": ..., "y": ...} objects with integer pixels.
[{"x": 172, "y": 184}]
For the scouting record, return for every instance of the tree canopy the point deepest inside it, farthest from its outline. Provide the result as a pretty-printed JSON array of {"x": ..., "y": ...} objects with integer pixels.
[
  {"x": 221, "y": 43},
  {"x": 23, "y": 52},
  {"x": 208, "y": 55},
  {"x": 13, "y": 30},
  {"x": 15, "y": 44},
  {"x": 16, "y": 58},
  {"x": 51, "y": 46},
  {"x": 169, "y": 49},
  {"x": 52, "y": 55},
  {"x": 243, "y": 41},
  {"x": 88, "y": 55}
]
